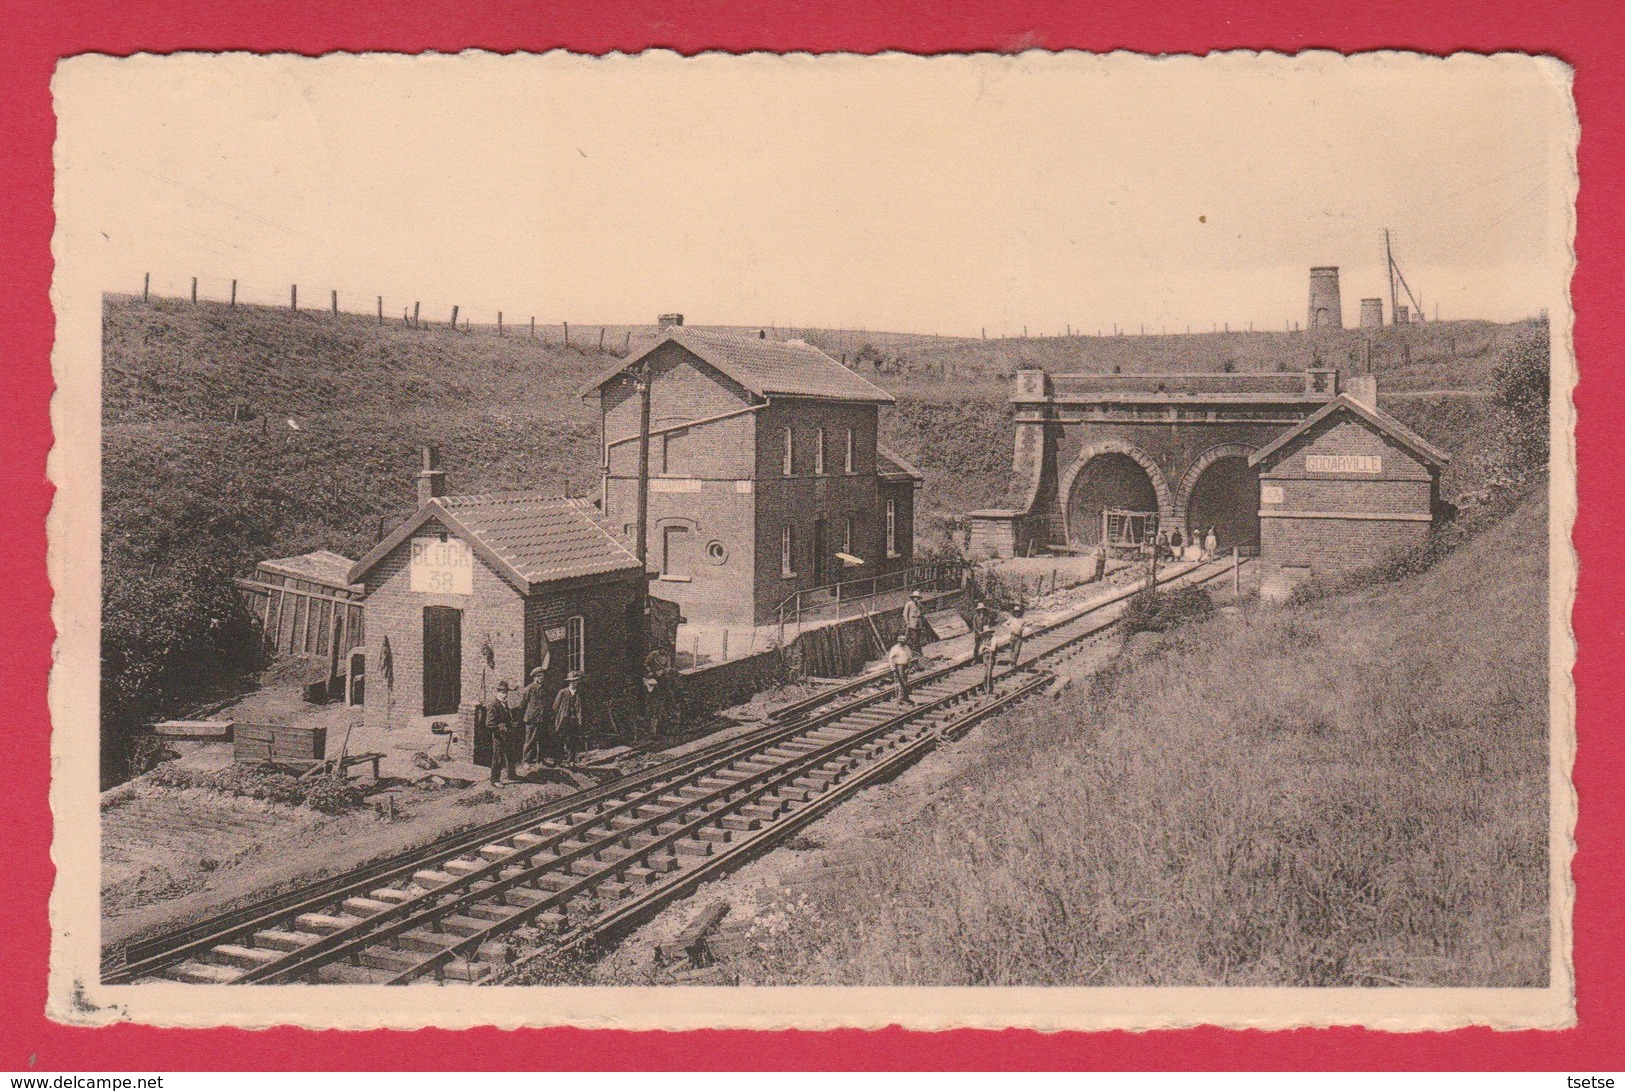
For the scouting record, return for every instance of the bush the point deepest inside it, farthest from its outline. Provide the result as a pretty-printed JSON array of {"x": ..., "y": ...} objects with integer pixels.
[
  {"x": 1523, "y": 400},
  {"x": 1160, "y": 611}
]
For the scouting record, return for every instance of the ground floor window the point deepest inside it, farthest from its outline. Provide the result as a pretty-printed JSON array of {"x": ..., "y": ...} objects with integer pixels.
[
  {"x": 575, "y": 644},
  {"x": 786, "y": 554},
  {"x": 891, "y": 528}
]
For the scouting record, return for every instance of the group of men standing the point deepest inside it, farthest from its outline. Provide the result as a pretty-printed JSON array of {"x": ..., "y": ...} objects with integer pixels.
[
  {"x": 547, "y": 729},
  {"x": 1174, "y": 545},
  {"x": 988, "y": 639}
]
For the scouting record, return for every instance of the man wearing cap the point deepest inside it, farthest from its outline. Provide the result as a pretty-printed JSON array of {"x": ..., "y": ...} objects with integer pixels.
[
  {"x": 914, "y": 622},
  {"x": 533, "y": 708},
  {"x": 567, "y": 729},
  {"x": 501, "y": 718}
]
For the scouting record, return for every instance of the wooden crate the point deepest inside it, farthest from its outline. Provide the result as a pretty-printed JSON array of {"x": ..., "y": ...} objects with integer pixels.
[{"x": 278, "y": 742}]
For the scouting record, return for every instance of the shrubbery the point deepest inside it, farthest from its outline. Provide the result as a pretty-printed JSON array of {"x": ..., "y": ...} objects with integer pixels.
[{"x": 1160, "y": 611}]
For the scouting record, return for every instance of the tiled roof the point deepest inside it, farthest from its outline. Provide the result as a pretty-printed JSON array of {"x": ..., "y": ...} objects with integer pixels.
[
  {"x": 323, "y": 566},
  {"x": 1379, "y": 420},
  {"x": 530, "y": 538},
  {"x": 764, "y": 367},
  {"x": 890, "y": 464}
]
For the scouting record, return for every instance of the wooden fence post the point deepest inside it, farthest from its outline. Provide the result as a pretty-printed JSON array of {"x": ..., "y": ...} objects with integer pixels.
[
  {"x": 499, "y": 323},
  {"x": 335, "y": 302},
  {"x": 415, "y": 307},
  {"x": 567, "y": 334},
  {"x": 1235, "y": 571},
  {"x": 194, "y": 289},
  {"x": 600, "y": 339},
  {"x": 234, "y": 293},
  {"x": 628, "y": 340},
  {"x": 380, "y": 310},
  {"x": 146, "y": 286},
  {"x": 454, "y": 316},
  {"x": 533, "y": 327}
]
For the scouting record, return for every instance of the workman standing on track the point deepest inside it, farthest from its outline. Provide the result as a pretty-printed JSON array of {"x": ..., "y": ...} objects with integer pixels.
[
  {"x": 568, "y": 732},
  {"x": 900, "y": 657},
  {"x": 914, "y": 622},
  {"x": 981, "y": 629},
  {"x": 1016, "y": 632},
  {"x": 533, "y": 714},
  {"x": 501, "y": 721},
  {"x": 1100, "y": 561},
  {"x": 1210, "y": 545}
]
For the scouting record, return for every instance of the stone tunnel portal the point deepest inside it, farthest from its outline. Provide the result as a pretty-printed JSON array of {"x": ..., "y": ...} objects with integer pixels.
[
  {"x": 1110, "y": 480},
  {"x": 1225, "y": 497}
]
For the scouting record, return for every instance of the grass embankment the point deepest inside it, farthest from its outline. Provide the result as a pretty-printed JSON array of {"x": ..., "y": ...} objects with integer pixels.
[{"x": 1350, "y": 792}]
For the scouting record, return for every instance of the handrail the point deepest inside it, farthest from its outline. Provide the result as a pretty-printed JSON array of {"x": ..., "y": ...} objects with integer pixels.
[{"x": 930, "y": 573}]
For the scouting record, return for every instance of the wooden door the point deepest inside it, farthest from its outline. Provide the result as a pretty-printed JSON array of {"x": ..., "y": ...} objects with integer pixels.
[{"x": 442, "y": 660}]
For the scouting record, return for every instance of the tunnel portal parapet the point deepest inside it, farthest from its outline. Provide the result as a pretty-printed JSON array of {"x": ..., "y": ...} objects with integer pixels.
[{"x": 1085, "y": 443}]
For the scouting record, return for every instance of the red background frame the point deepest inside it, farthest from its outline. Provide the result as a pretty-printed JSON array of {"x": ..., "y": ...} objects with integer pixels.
[{"x": 33, "y": 35}]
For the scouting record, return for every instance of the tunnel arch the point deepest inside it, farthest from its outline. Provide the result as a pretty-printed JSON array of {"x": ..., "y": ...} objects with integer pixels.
[
  {"x": 1121, "y": 493},
  {"x": 1220, "y": 490}
]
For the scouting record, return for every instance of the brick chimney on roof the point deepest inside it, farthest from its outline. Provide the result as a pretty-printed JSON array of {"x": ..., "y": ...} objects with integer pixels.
[{"x": 431, "y": 479}]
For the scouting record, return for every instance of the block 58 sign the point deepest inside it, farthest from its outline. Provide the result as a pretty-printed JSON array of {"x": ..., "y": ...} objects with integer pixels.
[{"x": 442, "y": 568}]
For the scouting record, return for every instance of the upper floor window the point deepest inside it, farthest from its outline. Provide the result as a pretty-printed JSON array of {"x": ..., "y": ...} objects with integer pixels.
[
  {"x": 789, "y": 452},
  {"x": 851, "y": 453},
  {"x": 818, "y": 451}
]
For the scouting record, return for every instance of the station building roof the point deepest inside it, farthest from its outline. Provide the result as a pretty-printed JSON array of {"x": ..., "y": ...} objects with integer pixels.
[
  {"x": 528, "y": 538},
  {"x": 764, "y": 367},
  {"x": 1376, "y": 418}
]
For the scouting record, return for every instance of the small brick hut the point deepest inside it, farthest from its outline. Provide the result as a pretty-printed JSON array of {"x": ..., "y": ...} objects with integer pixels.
[
  {"x": 766, "y": 475},
  {"x": 471, "y": 590},
  {"x": 1345, "y": 489}
]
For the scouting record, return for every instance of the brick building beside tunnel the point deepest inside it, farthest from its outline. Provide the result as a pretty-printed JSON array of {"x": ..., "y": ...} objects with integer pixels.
[
  {"x": 766, "y": 475},
  {"x": 1187, "y": 451},
  {"x": 1344, "y": 490},
  {"x": 471, "y": 590}
]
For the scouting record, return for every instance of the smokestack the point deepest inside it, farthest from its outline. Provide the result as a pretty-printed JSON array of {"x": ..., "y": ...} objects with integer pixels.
[
  {"x": 431, "y": 479},
  {"x": 1402, "y": 315},
  {"x": 1325, "y": 299},
  {"x": 1371, "y": 314},
  {"x": 669, "y": 320}
]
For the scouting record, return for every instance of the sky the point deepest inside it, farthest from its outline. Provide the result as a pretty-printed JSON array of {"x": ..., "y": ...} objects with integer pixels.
[{"x": 933, "y": 195}]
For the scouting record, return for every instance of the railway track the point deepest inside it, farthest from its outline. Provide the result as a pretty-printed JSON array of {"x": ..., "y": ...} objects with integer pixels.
[{"x": 585, "y": 869}]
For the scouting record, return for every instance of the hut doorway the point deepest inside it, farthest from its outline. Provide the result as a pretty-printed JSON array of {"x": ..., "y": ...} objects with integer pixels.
[{"x": 442, "y": 660}]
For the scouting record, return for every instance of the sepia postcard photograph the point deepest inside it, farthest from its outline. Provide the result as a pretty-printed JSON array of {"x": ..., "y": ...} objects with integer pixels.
[{"x": 1046, "y": 539}]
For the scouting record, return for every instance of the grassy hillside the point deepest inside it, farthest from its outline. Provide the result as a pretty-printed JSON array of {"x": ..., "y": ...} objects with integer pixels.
[
  {"x": 204, "y": 474},
  {"x": 1350, "y": 792}
]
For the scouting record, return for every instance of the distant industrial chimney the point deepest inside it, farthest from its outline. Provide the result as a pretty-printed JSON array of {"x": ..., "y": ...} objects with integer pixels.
[
  {"x": 1402, "y": 315},
  {"x": 670, "y": 320},
  {"x": 431, "y": 479},
  {"x": 1325, "y": 299},
  {"x": 1371, "y": 314}
]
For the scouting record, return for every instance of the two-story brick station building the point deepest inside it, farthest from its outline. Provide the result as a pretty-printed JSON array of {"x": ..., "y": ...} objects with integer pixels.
[{"x": 766, "y": 474}]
